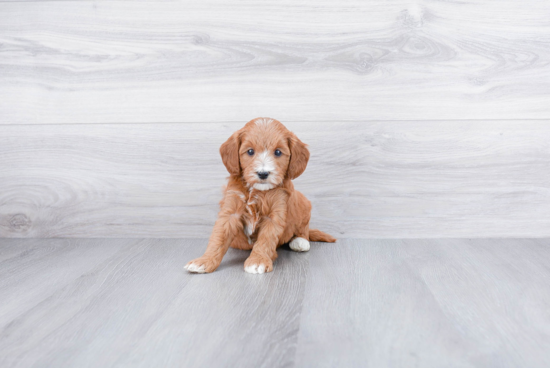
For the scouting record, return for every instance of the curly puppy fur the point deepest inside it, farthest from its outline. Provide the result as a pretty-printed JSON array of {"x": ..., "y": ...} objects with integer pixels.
[{"x": 261, "y": 210}]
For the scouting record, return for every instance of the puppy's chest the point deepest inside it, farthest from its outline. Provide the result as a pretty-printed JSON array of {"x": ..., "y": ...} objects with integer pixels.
[{"x": 252, "y": 214}]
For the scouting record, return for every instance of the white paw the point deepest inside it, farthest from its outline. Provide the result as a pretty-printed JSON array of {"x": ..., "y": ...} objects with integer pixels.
[
  {"x": 299, "y": 245},
  {"x": 255, "y": 268},
  {"x": 195, "y": 268}
]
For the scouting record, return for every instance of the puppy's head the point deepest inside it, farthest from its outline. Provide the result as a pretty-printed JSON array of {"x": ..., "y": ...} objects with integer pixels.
[{"x": 264, "y": 153}]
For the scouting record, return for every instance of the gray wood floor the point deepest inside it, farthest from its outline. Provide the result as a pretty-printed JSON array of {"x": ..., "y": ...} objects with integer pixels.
[{"x": 363, "y": 303}]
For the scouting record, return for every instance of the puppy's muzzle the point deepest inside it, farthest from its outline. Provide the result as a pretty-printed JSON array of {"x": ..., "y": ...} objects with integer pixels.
[{"x": 262, "y": 174}]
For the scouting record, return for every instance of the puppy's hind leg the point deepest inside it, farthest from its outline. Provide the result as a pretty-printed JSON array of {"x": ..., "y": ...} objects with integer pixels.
[{"x": 300, "y": 242}]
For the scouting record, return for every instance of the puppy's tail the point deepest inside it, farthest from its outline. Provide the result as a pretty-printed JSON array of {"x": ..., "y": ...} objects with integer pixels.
[{"x": 319, "y": 236}]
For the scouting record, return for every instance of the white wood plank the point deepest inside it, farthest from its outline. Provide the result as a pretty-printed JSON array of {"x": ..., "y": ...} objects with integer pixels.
[
  {"x": 356, "y": 303},
  {"x": 229, "y": 319},
  {"x": 43, "y": 269},
  {"x": 119, "y": 294},
  {"x": 426, "y": 303},
  {"x": 10, "y": 248},
  {"x": 140, "y": 308},
  {"x": 365, "y": 179},
  {"x": 365, "y": 307},
  {"x": 204, "y": 61}
]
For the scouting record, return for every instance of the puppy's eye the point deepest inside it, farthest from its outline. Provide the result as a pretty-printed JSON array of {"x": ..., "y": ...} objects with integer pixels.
[
  {"x": 278, "y": 153},
  {"x": 250, "y": 152}
]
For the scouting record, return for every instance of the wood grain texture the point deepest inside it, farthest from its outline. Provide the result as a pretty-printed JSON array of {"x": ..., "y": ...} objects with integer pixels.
[
  {"x": 139, "y": 307},
  {"x": 365, "y": 179},
  {"x": 427, "y": 303},
  {"x": 219, "y": 61},
  {"x": 381, "y": 303}
]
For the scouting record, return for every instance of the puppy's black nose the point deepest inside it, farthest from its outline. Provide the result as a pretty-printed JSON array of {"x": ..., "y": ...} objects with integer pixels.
[{"x": 262, "y": 174}]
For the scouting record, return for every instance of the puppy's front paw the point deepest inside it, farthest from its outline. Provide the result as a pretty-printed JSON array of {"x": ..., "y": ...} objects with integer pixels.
[
  {"x": 299, "y": 245},
  {"x": 202, "y": 265},
  {"x": 258, "y": 264}
]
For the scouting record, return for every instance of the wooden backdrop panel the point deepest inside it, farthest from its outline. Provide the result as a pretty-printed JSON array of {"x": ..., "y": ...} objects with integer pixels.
[
  {"x": 365, "y": 179},
  {"x": 217, "y": 61}
]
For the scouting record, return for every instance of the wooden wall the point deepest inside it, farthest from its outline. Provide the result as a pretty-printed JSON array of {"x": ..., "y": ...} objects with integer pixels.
[{"x": 424, "y": 118}]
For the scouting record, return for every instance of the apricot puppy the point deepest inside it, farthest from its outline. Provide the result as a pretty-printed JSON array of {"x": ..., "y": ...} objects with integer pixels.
[{"x": 261, "y": 210}]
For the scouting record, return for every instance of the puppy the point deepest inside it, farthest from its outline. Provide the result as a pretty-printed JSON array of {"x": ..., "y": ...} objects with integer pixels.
[{"x": 261, "y": 210}]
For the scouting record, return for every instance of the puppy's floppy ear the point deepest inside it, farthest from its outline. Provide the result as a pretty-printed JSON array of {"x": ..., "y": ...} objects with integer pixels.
[
  {"x": 230, "y": 154},
  {"x": 299, "y": 156}
]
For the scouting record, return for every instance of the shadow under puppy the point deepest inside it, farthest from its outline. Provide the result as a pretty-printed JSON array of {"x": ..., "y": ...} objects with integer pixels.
[{"x": 261, "y": 210}]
